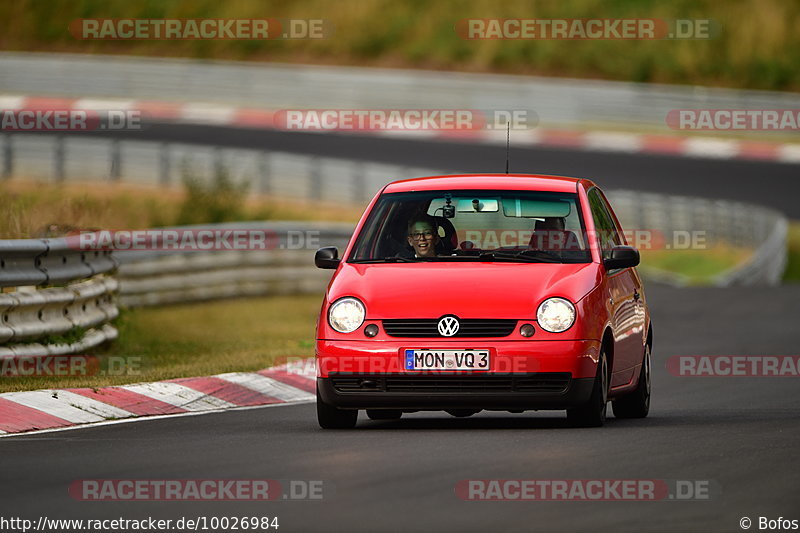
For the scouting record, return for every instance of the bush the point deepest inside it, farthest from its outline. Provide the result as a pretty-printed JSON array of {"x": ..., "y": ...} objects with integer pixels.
[{"x": 219, "y": 200}]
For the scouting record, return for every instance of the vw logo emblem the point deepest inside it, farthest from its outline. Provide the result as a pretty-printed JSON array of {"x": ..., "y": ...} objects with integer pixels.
[{"x": 448, "y": 326}]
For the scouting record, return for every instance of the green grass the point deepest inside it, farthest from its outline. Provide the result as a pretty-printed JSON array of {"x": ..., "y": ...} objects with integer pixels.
[
  {"x": 792, "y": 272},
  {"x": 696, "y": 267},
  {"x": 198, "y": 340},
  {"x": 34, "y": 209},
  {"x": 758, "y": 45}
]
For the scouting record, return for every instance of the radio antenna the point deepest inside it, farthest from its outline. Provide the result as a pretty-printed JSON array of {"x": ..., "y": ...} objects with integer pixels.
[{"x": 508, "y": 142}]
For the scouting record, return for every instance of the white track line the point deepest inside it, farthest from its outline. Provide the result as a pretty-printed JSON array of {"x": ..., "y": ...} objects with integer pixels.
[
  {"x": 8, "y": 103},
  {"x": 267, "y": 386},
  {"x": 613, "y": 141},
  {"x": 718, "y": 148},
  {"x": 179, "y": 396},
  {"x": 207, "y": 113},
  {"x": 789, "y": 153},
  {"x": 94, "y": 104}
]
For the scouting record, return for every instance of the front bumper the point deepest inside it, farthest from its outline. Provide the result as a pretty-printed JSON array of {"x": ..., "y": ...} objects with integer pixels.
[
  {"x": 384, "y": 392},
  {"x": 526, "y": 374}
]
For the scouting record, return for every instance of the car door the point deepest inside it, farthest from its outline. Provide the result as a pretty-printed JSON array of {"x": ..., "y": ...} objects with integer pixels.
[
  {"x": 635, "y": 326},
  {"x": 623, "y": 293}
]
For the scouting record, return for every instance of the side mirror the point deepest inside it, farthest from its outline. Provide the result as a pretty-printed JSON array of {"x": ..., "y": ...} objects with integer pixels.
[
  {"x": 622, "y": 257},
  {"x": 328, "y": 257}
]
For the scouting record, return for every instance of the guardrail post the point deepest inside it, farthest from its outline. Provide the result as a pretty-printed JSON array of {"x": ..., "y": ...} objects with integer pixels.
[
  {"x": 219, "y": 162},
  {"x": 8, "y": 156},
  {"x": 116, "y": 160},
  {"x": 164, "y": 165},
  {"x": 264, "y": 174},
  {"x": 359, "y": 183},
  {"x": 315, "y": 179},
  {"x": 58, "y": 161}
]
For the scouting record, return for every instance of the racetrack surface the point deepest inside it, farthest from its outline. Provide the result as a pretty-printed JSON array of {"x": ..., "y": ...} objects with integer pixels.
[
  {"x": 766, "y": 183},
  {"x": 740, "y": 433}
]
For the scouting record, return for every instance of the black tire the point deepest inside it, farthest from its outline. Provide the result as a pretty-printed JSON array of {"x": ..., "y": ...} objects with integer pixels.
[
  {"x": 329, "y": 417},
  {"x": 593, "y": 412},
  {"x": 384, "y": 414},
  {"x": 637, "y": 403}
]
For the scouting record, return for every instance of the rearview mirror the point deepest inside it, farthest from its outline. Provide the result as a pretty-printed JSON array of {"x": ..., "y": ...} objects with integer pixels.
[
  {"x": 622, "y": 257},
  {"x": 327, "y": 257},
  {"x": 477, "y": 205}
]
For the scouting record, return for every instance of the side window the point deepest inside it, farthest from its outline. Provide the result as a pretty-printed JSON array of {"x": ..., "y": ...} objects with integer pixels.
[
  {"x": 620, "y": 235},
  {"x": 367, "y": 241},
  {"x": 604, "y": 224}
]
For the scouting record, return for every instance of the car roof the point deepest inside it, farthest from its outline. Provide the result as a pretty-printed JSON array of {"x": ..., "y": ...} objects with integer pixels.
[{"x": 525, "y": 182}]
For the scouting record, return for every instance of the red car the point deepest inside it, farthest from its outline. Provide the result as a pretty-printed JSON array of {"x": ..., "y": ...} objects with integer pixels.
[{"x": 484, "y": 292}]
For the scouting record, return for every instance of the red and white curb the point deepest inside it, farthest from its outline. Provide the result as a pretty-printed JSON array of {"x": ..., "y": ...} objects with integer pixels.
[
  {"x": 598, "y": 140},
  {"x": 62, "y": 408}
]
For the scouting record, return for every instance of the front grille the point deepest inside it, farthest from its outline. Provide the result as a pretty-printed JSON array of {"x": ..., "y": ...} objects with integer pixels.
[
  {"x": 468, "y": 327},
  {"x": 538, "y": 382}
]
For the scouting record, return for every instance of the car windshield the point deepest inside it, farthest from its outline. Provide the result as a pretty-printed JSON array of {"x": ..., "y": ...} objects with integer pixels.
[{"x": 473, "y": 225}]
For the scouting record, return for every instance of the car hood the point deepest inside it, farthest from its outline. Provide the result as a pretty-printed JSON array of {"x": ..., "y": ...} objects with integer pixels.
[{"x": 468, "y": 290}]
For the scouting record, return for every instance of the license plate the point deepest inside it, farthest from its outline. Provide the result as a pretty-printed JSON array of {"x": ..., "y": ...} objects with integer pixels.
[{"x": 447, "y": 359}]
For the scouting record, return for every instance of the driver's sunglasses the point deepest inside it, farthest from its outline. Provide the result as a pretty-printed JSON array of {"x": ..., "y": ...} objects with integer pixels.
[{"x": 423, "y": 235}]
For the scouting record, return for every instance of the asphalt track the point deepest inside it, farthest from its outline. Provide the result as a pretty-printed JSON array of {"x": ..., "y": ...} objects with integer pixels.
[
  {"x": 766, "y": 183},
  {"x": 740, "y": 434}
]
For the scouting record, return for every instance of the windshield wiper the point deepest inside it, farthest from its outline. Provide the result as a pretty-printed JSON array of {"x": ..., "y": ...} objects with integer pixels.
[{"x": 538, "y": 256}]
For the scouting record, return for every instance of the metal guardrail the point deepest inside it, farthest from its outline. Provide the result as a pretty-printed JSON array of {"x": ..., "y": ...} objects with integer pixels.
[
  {"x": 738, "y": 224},
  {"x": 158, "y": 277},
  {"x": 48, "y": 261},
  {"x": 83, "y": 298},
  {"x": 555, "y": 101},
  {"x": 767, "y": 263},
  {"x": 64, "y": 158}
]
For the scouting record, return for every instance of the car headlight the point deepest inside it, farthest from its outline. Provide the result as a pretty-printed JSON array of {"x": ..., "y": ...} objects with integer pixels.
[
  {"x": 346, "y": 315},
  {"x": 556, "y": 315}
]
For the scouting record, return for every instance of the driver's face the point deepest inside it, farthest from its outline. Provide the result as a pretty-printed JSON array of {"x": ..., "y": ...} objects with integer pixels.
[{"x": 423, "y": 238}]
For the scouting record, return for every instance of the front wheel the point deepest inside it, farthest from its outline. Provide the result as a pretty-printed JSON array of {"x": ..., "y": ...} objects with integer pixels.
[
  {"x": 637, "y": 403},
  {"x": 593, "y": 412},
  {"x": 329, "y": 417}
]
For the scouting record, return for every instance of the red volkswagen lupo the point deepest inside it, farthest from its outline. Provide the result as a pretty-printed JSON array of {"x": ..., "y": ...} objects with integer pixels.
[{"x": 484, "y": 292}]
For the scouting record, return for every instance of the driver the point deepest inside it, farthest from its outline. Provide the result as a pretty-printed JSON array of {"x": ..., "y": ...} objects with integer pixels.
[{"x": 423, "y": 236}]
